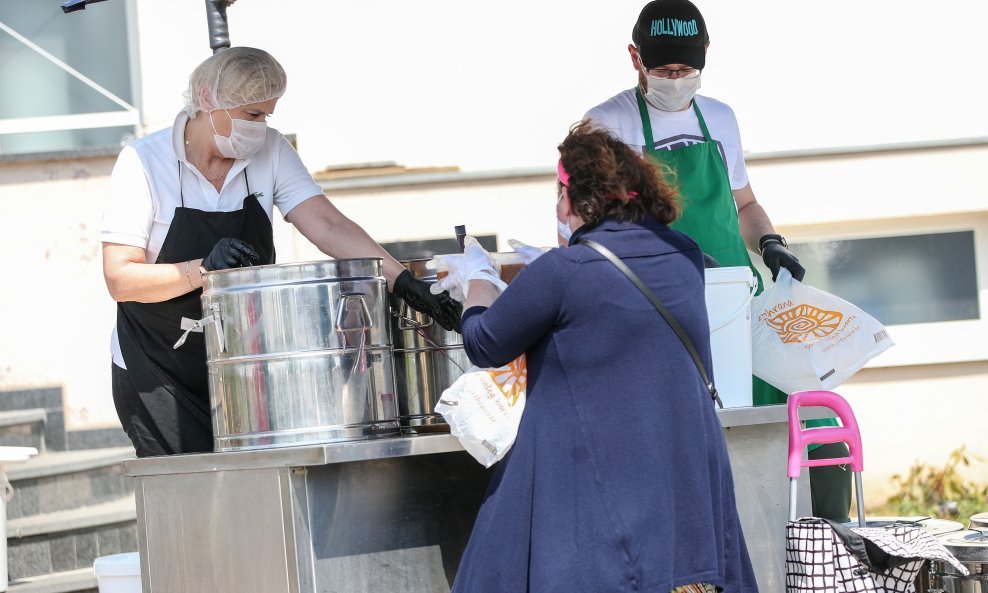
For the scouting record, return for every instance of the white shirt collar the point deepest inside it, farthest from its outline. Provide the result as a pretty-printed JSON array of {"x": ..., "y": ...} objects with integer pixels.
[
  {"x": 178, "y": 135},
  {"x": 178, "y": 145}
]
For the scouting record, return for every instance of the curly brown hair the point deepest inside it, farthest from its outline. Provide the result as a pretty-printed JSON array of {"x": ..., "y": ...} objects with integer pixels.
[{"x": 603, "y": 171}]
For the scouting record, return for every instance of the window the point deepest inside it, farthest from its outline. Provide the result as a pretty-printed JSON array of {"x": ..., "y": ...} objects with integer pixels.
[
  {"x": 65, "y": 79},
  {"x": 899, "y": 280}
]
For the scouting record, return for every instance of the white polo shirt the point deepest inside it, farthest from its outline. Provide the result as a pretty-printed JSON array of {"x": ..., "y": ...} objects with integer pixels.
[
  {"x": 144, "y": 189},
  {"x": 675, "y": 129}
]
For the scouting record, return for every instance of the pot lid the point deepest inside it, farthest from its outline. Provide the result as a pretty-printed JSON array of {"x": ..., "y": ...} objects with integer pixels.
[
  {"x": 979, "y": 521},
  {"x": 419, "y": 270},
  {"x": 257, "y": 277},
  {"x": 931, "y": 525},
  {"x": 968, "y": 545}
]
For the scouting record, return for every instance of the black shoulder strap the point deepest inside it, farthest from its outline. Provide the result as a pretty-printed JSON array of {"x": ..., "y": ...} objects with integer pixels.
[{"x": 620, "y": 265}]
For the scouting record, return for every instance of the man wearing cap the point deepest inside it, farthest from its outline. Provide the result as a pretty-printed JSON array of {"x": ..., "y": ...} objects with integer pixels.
[{"x": 697, "y": 137}]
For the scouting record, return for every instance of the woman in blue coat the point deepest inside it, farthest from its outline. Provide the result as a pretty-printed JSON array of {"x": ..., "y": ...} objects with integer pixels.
[{"x": 619, "y": 478}]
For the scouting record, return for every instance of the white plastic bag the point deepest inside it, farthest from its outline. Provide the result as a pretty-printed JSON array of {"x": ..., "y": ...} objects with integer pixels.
[
  {"x": 483, "y": 409},
  {"x": 803, "y": 338}
]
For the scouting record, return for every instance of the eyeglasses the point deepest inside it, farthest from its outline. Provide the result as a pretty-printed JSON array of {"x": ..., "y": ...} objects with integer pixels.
[{"x": 669, "y": 73}]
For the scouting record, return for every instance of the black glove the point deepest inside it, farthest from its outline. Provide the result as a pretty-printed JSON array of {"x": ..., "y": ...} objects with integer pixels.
[
  {"x": 775, "y": 255},
  {"x": 710, "y": 262},
  {"x": 230, "y": 253},
  {"x": 441, "y": 307}
]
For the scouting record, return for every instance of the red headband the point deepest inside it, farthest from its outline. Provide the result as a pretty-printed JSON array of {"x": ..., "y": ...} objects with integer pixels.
[
  {"x": 563, "y": 175},
  {"x": 564, "y": 179}
]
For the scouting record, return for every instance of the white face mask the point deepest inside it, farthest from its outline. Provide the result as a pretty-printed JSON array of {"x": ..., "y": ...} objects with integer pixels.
[
  {"x": 671, "y": 94},
  {"x": 246, "y": 137},
  {"x": 564, "y": 231}
]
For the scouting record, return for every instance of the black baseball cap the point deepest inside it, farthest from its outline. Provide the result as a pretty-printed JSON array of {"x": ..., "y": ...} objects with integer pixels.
[{"x": 671, "y": 32}]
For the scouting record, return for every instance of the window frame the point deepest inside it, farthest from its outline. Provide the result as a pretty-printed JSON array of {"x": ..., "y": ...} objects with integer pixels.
[
  {"x": 129, "y": 115},
  {"x": 938, "y": 342}
]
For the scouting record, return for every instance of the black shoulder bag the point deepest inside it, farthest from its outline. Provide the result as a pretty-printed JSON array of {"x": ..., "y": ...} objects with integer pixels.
[{"x": 620, "y": 265}]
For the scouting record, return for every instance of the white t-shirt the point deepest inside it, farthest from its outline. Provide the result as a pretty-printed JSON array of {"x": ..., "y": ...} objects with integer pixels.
[
  {"x": 144, "y": 189},
  {"x": 675, "y": 129}
]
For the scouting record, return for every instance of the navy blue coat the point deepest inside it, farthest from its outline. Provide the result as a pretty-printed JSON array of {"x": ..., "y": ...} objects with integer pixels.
[{"x": 619, "y": 479}]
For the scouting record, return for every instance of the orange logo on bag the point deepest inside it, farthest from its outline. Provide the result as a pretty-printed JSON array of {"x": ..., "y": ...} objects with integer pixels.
[
  {"x": 805, "y": 323},
  {"x": 511, "y": 379}
]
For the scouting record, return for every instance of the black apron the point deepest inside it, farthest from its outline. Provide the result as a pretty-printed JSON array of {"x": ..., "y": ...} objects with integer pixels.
[{"x": 172, "y": 384}]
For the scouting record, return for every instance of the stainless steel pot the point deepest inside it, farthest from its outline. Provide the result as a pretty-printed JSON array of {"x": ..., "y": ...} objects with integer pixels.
[
  {"x": 427, "y": 360},
  {"x": 971, "y": 549},
  {"x": 978, "y": 522},
  {"x": 299, "y": 354}
]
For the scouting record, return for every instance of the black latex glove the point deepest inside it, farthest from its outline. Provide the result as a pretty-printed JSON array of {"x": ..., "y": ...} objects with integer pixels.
[
  {"x": 776, "y": 256},
  {"x": 441, "y": 307},
  {"x": 710, "y": 262},
  {"x": 230, "y": 253}
]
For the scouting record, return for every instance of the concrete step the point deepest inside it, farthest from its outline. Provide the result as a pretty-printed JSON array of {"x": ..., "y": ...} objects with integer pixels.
[
  {"x": 72, "y": 539},
  {"x": 47, "y": 398},
  {"x": 58, "y": 481},
  {"x": 23, "y": 428},
  {"x": 97, "y": 438},
  {"x": 81, "y": 580}
]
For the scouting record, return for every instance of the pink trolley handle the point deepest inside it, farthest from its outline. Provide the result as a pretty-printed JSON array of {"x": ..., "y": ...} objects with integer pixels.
[{"x": 800, "y": 437}]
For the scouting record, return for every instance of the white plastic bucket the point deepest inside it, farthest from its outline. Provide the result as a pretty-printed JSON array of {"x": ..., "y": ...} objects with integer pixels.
[
  {"x": 728, "y": 294},
  {"x": 119, "y": 573}
]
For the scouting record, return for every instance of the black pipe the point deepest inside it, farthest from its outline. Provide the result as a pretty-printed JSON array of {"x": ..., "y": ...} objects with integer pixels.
[
  {"x": 219, "y": 32},
  {"x": 74, "y": 5}
]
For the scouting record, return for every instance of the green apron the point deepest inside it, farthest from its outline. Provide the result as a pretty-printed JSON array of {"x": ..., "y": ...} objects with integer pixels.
[{"x": 710, "y": 217}]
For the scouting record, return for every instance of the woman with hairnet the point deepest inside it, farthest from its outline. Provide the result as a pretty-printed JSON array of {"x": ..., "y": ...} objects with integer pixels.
[{"x": 196, "y": 197}]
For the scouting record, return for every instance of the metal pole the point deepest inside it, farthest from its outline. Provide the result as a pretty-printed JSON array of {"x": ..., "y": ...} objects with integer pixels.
[
  {"x": 792, "y": 499},
  {"x": 860, "y": 495},
  {"x": 219, "y": 32}
]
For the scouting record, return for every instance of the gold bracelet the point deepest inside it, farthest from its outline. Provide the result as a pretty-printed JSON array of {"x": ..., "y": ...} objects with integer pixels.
[{"x": 187, "y": 275}]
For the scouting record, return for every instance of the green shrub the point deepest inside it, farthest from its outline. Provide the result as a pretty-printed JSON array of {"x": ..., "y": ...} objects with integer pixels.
[{"x": 938, "y": 492}]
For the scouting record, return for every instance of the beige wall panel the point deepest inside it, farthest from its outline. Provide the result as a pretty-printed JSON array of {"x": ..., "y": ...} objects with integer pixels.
[
  {"x": 841, "y": 189},
  {"x": 918, "y": 414},
  {"x": 56, "y": 313},
  {"x": 523, "y": 211}
]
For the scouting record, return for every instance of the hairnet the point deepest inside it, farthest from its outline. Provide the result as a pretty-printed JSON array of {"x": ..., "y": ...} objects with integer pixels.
[{"x": 234, "y": 77}]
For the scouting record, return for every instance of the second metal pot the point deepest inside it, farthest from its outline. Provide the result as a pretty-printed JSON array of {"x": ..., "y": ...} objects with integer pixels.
[
  {"x": 427, "y": 360},
  {"x": 971, "y": 549}
]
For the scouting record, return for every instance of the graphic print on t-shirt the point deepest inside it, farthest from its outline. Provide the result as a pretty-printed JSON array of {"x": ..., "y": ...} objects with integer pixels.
[{"x": 682, "y": 141}]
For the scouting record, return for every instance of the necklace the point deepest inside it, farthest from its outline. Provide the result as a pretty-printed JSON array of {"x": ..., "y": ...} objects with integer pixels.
[{"x": 191, "y": 159}]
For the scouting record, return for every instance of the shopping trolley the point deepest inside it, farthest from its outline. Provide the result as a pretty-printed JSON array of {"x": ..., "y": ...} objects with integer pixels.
[{"x": 823, "y": 556}]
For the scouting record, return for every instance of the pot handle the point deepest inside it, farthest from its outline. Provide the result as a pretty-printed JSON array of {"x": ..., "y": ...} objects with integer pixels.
[
  {"x": 752, "y": 289},
  {"x": 218, "y": 325},
  {"x": 366, "y": 322},
  {"x": 197, "y": 325},
  {"x": 405, "y": 321}
]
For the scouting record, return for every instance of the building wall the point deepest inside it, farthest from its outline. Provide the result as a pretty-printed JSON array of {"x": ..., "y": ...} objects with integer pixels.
[
  {"x": 53, "y": 305},
  {"x": 921, "y": 414}
]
